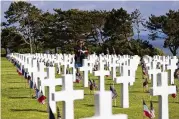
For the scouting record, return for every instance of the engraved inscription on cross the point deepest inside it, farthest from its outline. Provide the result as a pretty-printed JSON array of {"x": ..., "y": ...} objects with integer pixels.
[
  {"x": 103, "y": 106},
  {"x": 68, "y": 95},
  {"x": 163, "y": 90},
  {"x": 101, "y": 73}
]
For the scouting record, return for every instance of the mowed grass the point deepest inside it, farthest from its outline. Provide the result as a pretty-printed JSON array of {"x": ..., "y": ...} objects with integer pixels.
[{"x": 17, "y": 101}]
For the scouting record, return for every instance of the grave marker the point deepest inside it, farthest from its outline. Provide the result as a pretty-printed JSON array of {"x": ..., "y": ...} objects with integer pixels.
[
  {"x": 51, "y": 82},
  {"x": 101, "y": 73},
  {"x": 163, "y": 91},
  {"x": 124, "y": 79},
  {"x": 85, "y": 70},
  {"x": 68, "y": 95},
  {"x": 172, "y": 67},
  {"x": 103, "y": 106}
]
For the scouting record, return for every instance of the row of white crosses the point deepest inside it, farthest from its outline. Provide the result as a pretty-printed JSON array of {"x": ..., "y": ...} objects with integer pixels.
[
  {"x": 41, "y": 78},
  {"x": 86, "y": 72},
  {"x": 168, "y": 63},
  {"x": 103, "y": 108},
  {"x": 68, "y": 99},
  {"x": 68, "y": 95},
  {"x": 172, "y": 67},
  {"x": 48, "y": 58},
  {"x": 160, "y": 85},
  {"x": 153, "y": 72},
  {"x": 101, "y": 112}
]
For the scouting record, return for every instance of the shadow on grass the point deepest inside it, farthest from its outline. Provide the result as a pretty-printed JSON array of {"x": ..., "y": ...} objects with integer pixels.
[
  {"x": 15, "y": 82},
  {"x": 78, "y": 86},
  {"x": 154, "y": 101},
  {"x": 115, "y": 106},
  {"x": 109, "y": 79},
  {"x": 3, "y": 55},
  {"x": 89, "y": 105},
  {"x": 88, "y": 94},
  {"x": 27, "y": 110},
  {"x": 174, "y": 102},
  {"x": 111, "y": 84},
  {"x": 19, "y": 97},
  {"x": 136, "y": 91},
  {"x": 16, "y": 88}
]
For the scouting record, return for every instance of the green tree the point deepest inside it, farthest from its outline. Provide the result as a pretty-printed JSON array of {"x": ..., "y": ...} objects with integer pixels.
[
  {"x": 118, "y": 24},
  {"x": 137, "y": 20},
  {"x": 158, "y": 51},
  {"x": 97, "y": 21},
  {"x": 165, "y": 27},
  {"x": 10, "y": 39},
  {"x": 118, "y": 29},
  {"x": 25, "y": 17}
]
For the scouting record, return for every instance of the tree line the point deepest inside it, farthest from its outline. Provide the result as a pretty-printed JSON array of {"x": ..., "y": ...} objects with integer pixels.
[{"x": 29, "y": 29}]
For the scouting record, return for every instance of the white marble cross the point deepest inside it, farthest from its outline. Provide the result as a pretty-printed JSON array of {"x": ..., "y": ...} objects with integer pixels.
[
  {"x": 85, "y": 70},
  {"x": 58, "y": 67},
  {"x": 153, "y": 72},
  {"x": 68, "y": 95},
  {"x": 72, "y": 65},
  {"x": 163, "y": 63},
  {"x": 101, "y": 73},
  {"x": 29, "y": 66},
  {"x": 113, "y": 66},
  {"x": 163, "y": 91},
  {"x": 65, "y": 64},
  {"x": 39, "y": 75},
  {"x": 33, "y": 68},
  {"x": 132, "y": 67},
  {"x": 125, "y": 80},
  {"x": 103, "y": 106},
  {"x": 91, "y": 64},
  {"x": 172, "y": 67},
  {"x": 153, "y": 67},
  {"x": 51, "y": 82}
]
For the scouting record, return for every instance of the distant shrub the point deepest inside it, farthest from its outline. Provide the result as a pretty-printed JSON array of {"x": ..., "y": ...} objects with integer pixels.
[
  {"x": 3, "y": 51},
  {"x": 24, "y": 50},
  {"x": 158, "y": 51}
]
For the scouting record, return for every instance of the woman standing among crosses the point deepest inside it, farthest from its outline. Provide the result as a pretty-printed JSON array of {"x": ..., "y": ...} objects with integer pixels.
[{"x": 81, "y": 53}]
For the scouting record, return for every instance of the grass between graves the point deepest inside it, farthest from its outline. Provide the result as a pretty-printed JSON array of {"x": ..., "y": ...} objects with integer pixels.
[{"x": 18, "y": 104}]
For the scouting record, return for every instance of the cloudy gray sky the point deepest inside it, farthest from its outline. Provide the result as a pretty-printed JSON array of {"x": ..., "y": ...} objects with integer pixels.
[{"x": 146, "y": 8}]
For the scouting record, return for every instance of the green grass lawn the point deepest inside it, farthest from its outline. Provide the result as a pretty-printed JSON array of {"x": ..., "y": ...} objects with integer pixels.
[{"x": 18, "y": 104}]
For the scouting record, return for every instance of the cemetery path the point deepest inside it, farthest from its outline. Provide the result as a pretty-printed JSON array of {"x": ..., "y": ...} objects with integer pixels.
[{"x": 18, "y": 104}]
